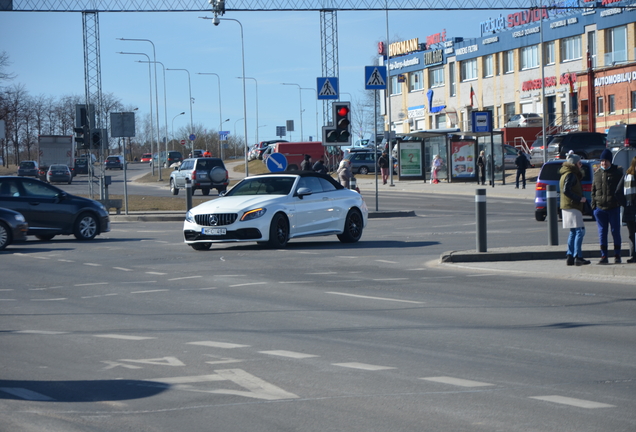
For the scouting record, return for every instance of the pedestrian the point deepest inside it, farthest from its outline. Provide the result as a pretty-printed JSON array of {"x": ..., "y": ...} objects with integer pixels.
[
  {"x": 383, "y": 163},
  {"x": 344, "y": 173},
  {"x": 320, "y": 167},
  {"x": 436, "y": 166},
  {"x": 306, "y": 164},
  {"x": 606, "y": 198},
  {"x": 522, "y": 164},
  {"x": 572, "y": 206},
  {"x": 628, "y": 187},
  {"x": 481, "y": 168},
  {"x": 207, "y": 153}
]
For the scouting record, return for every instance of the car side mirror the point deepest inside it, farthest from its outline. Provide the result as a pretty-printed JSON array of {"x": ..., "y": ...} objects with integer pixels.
[{"x": 302, "y": 192}]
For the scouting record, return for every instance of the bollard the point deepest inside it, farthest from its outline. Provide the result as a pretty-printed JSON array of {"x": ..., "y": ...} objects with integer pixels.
[
  {"x": 551, "y": 198},
  {"x": 353, "y": 183},
  {"x": 188, "y": 194},
  {"x": 480, "y": 215}
]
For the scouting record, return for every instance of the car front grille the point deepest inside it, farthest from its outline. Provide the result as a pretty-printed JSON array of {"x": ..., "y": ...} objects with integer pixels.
[{"x": 221, "y": 219}]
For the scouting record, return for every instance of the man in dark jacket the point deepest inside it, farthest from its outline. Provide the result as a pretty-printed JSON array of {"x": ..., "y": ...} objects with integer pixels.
[
  {"x": 320, "y": 167},
  {"x": 306, "y": 164},
  {"x": 606, "y": 205},
  {"x": 522, "y": 163}
]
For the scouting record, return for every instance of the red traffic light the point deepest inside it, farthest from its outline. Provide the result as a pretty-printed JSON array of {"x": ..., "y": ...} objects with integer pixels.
[{"x": 342, "y": 111}]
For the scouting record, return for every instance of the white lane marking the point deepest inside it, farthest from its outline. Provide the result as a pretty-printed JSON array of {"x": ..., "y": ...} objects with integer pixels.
[
  {"x": 185, "y": 277},
  {"x": 7, "y": 299},
  {"x": 481, "y": 275},
  {"x": 137, "y": 282},
  {"x": 224, "y": 360},
  {"x": 65, "y": 260},
  {"x": 363, "y": 366},
  {"x": 294, "y": 282},
  {"x": 92, "y": 264},
  {"x": 214, "y": 344},
  {"x": 390, "y": 279},
  {"x": 290, "y": 354},
  {"x": 438, "y": 277},
  {"x": 385, "y": 261},
  {"x": 149, "y": 291},
  {"x": 91, "y": 284},
  {"x": 42, "y": 332},
  {"x": 456, "y": 381},
  {"x": 51, "y": 299},
  {"x": 163, "y": 361},
  {"x": 9, "y": 289},
  {"x": 122, "y": 269},
  {"x": 373, "y": 298},
  {"x": 156, "y": 273},
  {"x": 197, "y": 289},
  {"x": 42, "y": 258},
  {"x": 100, "y": 295},
  {"x": 346, "y": 257},
  {"x": 112, "y": 365},
  {"x": 580, "y": 403},
  {"x": 323, "y": 273},
  {"x": 189, "y": 379},
  {"x": 416, "y": 269},
  {"x": 124, "y": 337},
  {"x": 247, "y": 284},
  {"x": 25, "y": 394}
]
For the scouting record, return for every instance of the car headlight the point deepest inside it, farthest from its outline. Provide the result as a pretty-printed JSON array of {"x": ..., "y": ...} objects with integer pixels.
[
  {"x": 20, "y": 218},
  {"x": 190, "y": 217},
  {"x": 253, "y": 214}
]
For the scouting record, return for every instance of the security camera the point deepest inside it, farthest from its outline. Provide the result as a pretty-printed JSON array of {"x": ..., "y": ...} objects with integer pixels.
[{"x": 216, "y": 21}]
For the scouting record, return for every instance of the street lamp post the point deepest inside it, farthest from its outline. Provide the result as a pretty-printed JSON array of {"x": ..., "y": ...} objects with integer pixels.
[
  {"x": 154, "y": 55},
  {"x": 152, "y": 147},
  {"x": 190, "y": 94},
  {"x": 182, "y": 113},
  {"x": 300, "y": 97},
  {"x": 220, "y": 129},
  {"x": 216, "y": 20},
  {"x": 256, "y": 82},
  {"x": 220, "y": 115}
]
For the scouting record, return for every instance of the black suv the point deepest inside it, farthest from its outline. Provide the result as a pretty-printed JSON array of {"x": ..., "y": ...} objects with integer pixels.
[
  {"x": 205, "y": 173},
  {"x": 621, "y": 135},
  {"x": 588, "y": 145}
]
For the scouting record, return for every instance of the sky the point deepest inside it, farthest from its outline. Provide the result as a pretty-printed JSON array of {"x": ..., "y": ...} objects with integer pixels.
[{"x": 46, "y": 53}]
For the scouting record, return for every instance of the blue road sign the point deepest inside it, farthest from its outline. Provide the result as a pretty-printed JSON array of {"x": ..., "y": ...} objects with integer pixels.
[
  {"x": 327, "y": 87},
  {"x": 482, "y": 121},
  {"x": 193, "y": 137},
  {"x": 375, "y": 77},
  {"x": 276, "y": 162},
  {"x": 223, "y": 135}
]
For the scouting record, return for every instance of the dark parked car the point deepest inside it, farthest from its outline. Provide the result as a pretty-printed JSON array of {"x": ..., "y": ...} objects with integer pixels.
[
  {"x": 621, "y": 135},
  {"x": 205, "y": 173},
  {"x": 173, "y": 157},
  {"x": 28, "y": 169},
  {"x": 588, "y": 145},
  {"x": 115, "y": 162},
  {"x": 13, "y": 227},
  {"x": 549, "y": 175},
  {"x": 536, "y": 150},
  {"x": 50, "y": 211},
  {"x": 58, "y": 173}
]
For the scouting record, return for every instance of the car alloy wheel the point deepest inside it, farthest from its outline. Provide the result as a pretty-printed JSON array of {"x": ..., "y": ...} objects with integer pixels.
[
  {"x": 278, "y": 231},
  {"x": 85, "y": 227},
  {"x": 5, "y": 236},
  {"x": 363, "y": 170},
  {"x": 352, "y": 227},
  {"x": 173, "y": 188}
]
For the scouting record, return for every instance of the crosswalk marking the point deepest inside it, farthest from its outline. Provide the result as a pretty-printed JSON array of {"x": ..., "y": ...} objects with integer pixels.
[
  {"x": 456, "y": 381},
  {"x": 25, "y": 394},
  {"x": 41, "y": 332},
  {"x": 124, "y": 337},
  {"x": 291, "y": 354},
  {"x": 363, "y": 366},
  {"x": 373, "y": 298},
  {"x": 580, "y": 403}
]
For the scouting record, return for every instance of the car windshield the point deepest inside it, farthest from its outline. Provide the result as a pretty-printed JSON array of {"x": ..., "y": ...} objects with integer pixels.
[
  {"x": 27, "y": 165},
  {"x": 208, "y": 164},
  {"x": 263, "y": 186}
]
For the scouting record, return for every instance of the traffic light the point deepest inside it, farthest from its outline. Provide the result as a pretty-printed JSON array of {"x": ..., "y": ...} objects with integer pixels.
[
  {"x": 96, "y": 138},
  {"x": 340, "y": 133},
  {"x": 79, "y": 138}
]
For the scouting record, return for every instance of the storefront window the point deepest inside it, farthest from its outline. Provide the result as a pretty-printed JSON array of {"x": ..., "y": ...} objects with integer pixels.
[
  {"x": 611, "y": 105},
  {"x": 571, "y": 48},
  {"x": 415, "y": 81},
  {"x": 509, "y": 61},
  {"x": 529, "y": 57},
  {"x": 616, "y": 45},
  {"x": 436, "y": 76},
  {"x": 599, "y": 106},
  {"x": 488, "y": 66},
  {"x": 549, "y": 53},
  {"x": 396, "y": 87},
  {"x": 469, "y": 70}
]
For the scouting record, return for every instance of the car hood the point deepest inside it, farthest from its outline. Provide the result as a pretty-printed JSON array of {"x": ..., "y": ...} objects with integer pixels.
[{"x": 234, "y": 204}]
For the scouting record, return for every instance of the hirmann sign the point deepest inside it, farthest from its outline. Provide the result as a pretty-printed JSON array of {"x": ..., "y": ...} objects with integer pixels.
[
  {"x": 433, "y": 57},
  {"x": 404, "y": 47}
]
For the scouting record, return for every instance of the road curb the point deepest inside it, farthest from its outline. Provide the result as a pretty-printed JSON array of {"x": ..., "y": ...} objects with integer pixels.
[
  {"x": 391, "y": 214},
  {"x": 514, "y": 254}
]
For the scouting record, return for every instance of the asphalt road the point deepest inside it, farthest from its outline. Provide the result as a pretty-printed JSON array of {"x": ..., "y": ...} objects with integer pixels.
[{"x": 136, "y": 331}]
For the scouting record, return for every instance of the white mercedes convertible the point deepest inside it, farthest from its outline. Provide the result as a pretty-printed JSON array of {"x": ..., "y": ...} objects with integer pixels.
[{"x": 271, "y": 209}]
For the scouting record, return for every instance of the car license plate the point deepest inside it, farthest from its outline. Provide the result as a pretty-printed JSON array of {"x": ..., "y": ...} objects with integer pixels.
[{"x": 214, "y": 231}]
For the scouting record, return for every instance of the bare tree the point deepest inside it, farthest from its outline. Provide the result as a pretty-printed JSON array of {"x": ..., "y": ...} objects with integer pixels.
[
  {"x": 4, "y": 63},
  {"x": 15, "y": 99}
]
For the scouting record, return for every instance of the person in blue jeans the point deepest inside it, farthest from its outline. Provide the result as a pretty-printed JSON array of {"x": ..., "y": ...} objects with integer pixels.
[
  {"x": 606, "y": 203},
  {"x": 572, "y": 206}
]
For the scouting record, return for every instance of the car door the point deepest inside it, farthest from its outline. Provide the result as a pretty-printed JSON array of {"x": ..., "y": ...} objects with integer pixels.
[
  {"x": 183, "y": 173},
  {"x": 312, "y": 211}
]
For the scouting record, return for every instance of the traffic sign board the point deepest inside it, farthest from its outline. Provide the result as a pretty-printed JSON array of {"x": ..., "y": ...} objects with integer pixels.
[
  {"x": 223, "y": 135},
  {"x": 276, "y": 162},
  {"x": 374, "y": 77},
  {"x": 182, "y": 142},
  {"x": 327, "y": 88},
  {"x": 193, "y": 137}
]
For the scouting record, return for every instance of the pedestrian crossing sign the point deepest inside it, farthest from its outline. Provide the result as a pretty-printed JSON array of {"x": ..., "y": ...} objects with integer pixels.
[
  {"x": 327, "y": 88},
  {"x": 374, "y": 77}
]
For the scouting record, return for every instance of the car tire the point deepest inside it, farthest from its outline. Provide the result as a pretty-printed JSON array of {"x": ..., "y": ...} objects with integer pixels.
[
  {"x": 201, "y": 246},
  {"x": 205, "y": 191},
  {"x": 539, "y": 216},
  {"x": 85, "y": 227},
  {"x": 278, "y": 231},
  {"x": 5, "y": 236},
  {"x": 173, "y": 188},
  {"x": 352, "y": 227},
  {"x": 363, "y": 170},
  {"x": 44, "y": 237},
  {"x": 70, "y": 181}
]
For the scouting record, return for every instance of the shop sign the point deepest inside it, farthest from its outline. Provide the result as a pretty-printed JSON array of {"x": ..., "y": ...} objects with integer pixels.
[
  {"x": 610, "y": 12},
  {"x": 436, "y": 38},
  {"x": 467, "y": 49},
  {"x": 404, "y": 63},
  {"x": 490, "y": 40},
  {"x": 493, "y": 25},
  {"x": 564, "y": 79},
  {"x": 404, "y": 47},
  {"x": 526, "y": 32},
  {"x": 527, "y": 17},
  {"x": 627, "y": 77},
  {"x": 433, "y": 57},
  {"x": 416, "y": 111}
]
